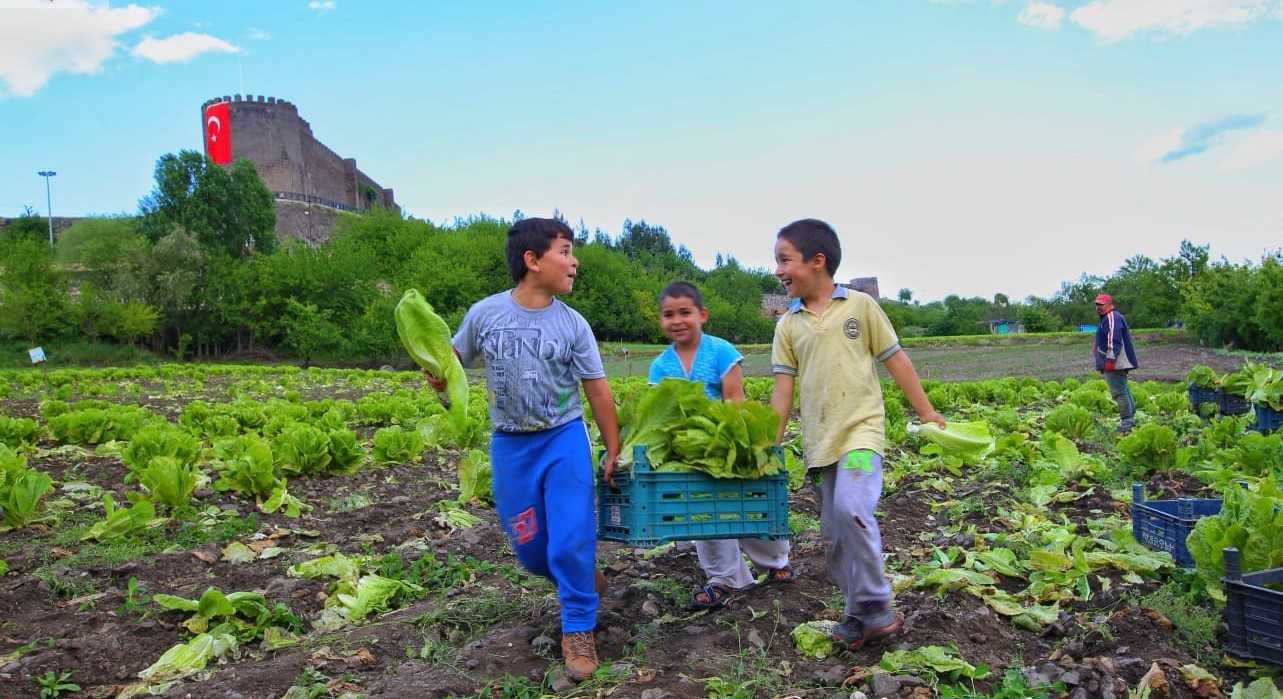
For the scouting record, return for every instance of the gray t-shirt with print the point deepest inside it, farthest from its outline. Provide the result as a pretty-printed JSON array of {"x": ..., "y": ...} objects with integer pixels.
[{"x": 534, "y": 361}]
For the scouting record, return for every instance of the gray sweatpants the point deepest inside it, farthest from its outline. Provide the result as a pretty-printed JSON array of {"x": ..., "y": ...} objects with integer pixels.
[
  {"x": 849, "y": 493},
  {"x": 723, "y": 559}
]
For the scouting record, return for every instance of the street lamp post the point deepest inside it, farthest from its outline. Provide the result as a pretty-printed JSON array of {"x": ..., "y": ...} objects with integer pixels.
[{"x": 48, "y": 200}]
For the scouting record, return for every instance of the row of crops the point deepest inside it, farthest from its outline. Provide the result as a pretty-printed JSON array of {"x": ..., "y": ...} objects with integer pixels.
[{"x": 1033, "y": 523}]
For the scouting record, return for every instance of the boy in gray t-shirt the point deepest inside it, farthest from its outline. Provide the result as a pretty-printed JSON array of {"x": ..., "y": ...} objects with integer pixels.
[{"x": 537, "y": 352}]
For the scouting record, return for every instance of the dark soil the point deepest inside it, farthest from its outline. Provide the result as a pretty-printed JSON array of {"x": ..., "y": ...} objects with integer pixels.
[{"x": 76, "y": 617}]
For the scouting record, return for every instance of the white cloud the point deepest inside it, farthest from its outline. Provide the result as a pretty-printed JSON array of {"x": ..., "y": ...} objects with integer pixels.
[
  {"x": 1257, "y": 149},
  {"x": 1196, "y": 139},
  {"x": 1154, "y": 149},
  {"x": 321, "y": 4},
  {"x": 39, "y": 39},
  {"x": 1042, "y": 15},
  {"x": 180, "y": 48},
  {"x": 1119, "y": 19}
]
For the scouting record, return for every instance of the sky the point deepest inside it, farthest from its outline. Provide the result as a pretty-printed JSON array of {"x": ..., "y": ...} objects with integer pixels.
[{"x": 957, "y": 147}]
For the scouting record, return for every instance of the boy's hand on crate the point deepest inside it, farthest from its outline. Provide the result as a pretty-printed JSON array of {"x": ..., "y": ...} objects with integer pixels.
[{"x": 609, "y": 462}]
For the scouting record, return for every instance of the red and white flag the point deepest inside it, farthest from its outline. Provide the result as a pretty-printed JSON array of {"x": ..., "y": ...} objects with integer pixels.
[{"x": 218, "y": 133}]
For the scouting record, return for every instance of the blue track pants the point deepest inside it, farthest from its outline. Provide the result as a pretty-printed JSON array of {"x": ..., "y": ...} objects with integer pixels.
[{"x": 543, "y": 492}]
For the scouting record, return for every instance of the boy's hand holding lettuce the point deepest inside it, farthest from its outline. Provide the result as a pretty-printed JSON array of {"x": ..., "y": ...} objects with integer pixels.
[{"x": 427, "y": 338}]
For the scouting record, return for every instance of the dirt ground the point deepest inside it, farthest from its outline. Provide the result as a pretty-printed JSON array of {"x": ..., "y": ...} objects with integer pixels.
[{"x": 79, "y": 618}]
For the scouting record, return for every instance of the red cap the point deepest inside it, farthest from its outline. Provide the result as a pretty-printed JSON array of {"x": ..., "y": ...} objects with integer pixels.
[{"x": 1105, "y": 299}]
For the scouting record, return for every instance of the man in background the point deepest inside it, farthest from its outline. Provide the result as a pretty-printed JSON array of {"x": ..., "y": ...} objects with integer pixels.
[{"x": 1115, "y": 356}]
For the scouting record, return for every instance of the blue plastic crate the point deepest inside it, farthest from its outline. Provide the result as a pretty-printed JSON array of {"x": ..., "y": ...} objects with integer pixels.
[
  {"x": 1267, "y": 419},
  {"x": 1163, "y": 525},
  {"x": 1231, "y": 403},
  {"x": 1199, "y": 395},
  {"x": 648, "y": 507},
  {"x": 1253, "y": 612}
]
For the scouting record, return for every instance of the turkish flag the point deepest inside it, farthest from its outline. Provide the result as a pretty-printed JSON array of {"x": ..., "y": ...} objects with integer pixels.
[{"x": 218, "y": 133}]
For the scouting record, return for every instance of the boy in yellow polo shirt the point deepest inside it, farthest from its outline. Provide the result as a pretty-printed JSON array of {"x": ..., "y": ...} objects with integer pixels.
[{"x": 827, "y": 343}]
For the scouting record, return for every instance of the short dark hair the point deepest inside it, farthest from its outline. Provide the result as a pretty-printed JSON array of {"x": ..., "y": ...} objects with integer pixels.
[
  {"x": 535, "y": 235},
  {"x": 679, "y": 290},
  {"x": 813, "y": 237}
]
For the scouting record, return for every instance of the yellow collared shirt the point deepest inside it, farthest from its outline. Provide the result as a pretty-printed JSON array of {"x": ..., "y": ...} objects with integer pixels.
[{"x": 832, "y": 356}]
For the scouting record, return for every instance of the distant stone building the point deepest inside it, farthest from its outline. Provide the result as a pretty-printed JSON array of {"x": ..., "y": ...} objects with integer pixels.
[
  {"x": 774, "y": 305},
  {"x": 868, "y": 285},
  {"x": 299, "y": 169}
]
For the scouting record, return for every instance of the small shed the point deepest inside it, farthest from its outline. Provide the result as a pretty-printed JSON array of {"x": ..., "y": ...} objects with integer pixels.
[
  {"x": 1004, "y": 326},
  {"x": 1085, "y": 328}
]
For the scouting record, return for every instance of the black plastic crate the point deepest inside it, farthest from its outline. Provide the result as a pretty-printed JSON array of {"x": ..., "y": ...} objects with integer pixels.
[
  {"x": 1163, "y": 525},
  {"x": 1267, "y": 419},
  {"x": 649, "y": 508},
  {"x": 1253, "y": 612}
]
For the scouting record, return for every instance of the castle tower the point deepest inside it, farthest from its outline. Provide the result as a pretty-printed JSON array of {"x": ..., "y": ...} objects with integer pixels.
[{"x": 290, "y": 160}]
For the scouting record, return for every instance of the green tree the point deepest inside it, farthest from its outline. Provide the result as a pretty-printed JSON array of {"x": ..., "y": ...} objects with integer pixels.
[
  {"x": 1035, "y": 318},
  {"x": 227, "y": 210},
  {"x": 455, "y": 268},
  {"x": 34, "y": 302},
  {"x": 1072, "y": 303},
  {"x": 28, "y": 226},
  {"x": 962, "y": 317},
  {"x": 1147, "y": 295},
  {"x": 308, "y": 332},
  {"x": 742, "y": 320},
  {"x": 94, "y": 314},
  {"x": 339, "y": 281},
  {"x": 385, "y": 234},
  {"x": 650, "y": 249},
  {"x": 1268, "y": 313},
  {"x": 374, "y": 336},
  {"x": 134, "y": 321},
  {"x": 175, "y": 268},
  {"x": 1220, "y": 304},
  {"x": 604, "y": 294},
  {"x": 109, "y": 254}
]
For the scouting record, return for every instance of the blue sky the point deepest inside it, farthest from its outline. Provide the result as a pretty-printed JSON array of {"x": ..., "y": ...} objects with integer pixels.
[{"x": 969, "y": 147}]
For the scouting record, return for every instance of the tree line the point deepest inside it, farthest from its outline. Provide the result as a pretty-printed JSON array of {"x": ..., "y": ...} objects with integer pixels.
[{"x": 200, "y": 272}]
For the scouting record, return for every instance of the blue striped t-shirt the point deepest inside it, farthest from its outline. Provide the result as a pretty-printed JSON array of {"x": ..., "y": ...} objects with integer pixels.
[{"x": 713, "y": 358}]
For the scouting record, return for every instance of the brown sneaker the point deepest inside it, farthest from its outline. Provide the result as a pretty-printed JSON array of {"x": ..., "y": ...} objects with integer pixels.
[
  {"x": 580, "y": 653},
  {"x": 599, "y": 583}
]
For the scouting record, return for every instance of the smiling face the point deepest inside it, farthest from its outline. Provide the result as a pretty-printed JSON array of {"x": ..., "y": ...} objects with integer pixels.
[
  {"x": 554, "y": 270},
  {"x": 682, "y": 320},
  {"x": 801, "y": 278}
]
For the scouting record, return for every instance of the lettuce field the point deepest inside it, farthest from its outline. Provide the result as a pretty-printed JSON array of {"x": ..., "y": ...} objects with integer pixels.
[{"x": 269, "y": 532}]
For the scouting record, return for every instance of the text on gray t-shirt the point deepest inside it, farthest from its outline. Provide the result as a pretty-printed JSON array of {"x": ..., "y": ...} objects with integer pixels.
[{"x": 534, "y": 360}]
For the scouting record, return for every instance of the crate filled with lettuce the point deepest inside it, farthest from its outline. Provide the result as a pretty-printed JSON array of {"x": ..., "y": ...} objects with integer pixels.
[
  {"x": 1250, "y": 521},
  {"x": 1211, "y": 393},
  {"x": 694, "y": 468},
  {"x": 1204, "y": 389},
  {"x": 1261, "y": 387}
]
